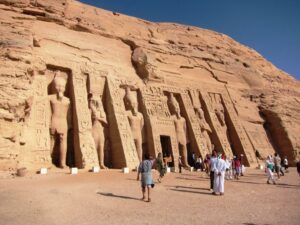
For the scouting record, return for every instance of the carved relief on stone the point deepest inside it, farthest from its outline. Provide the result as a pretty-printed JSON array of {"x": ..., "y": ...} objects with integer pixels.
[
  {"x": 180, "y": 128},
  {"x": 99, "y": 124},
  {"x": 205, "y": 128},
  {"x": 218, "y": 116},
  {"x": 136, "y": 120},
  {"x": 60, "y": 120},
  {"x": 96, "y": 87}
]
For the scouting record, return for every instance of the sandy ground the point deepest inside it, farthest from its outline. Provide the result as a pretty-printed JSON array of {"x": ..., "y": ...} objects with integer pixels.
[{"x": 111, "y": 197}]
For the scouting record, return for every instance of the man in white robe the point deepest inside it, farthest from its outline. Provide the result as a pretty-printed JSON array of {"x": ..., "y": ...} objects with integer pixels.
[{"x": 219, "y": 170}]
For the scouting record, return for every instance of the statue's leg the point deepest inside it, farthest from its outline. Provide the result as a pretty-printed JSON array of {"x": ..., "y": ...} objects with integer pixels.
[
  {"x": 52, "y": 144},
  {"x": 100, "y": 149},
  {"x": 62, "y": 149},
  {"x": 139, "y": 149},
  {"x": 184, "y": 155}
]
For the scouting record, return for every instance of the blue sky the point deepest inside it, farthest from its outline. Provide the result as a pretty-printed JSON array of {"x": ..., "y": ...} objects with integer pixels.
[{"x": 271, "y": 27}]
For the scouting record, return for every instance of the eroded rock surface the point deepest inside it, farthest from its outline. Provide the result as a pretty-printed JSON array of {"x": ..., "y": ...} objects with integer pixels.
[{"x": 247, "y": 102}]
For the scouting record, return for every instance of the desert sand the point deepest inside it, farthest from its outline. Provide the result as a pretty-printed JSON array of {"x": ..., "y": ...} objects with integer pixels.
[{"x": 111, "y": 197}]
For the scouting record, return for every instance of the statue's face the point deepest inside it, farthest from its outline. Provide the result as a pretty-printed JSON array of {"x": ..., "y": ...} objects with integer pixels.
[
  {"x": 60, "y": 86},
  {"x": 177, "y": 110},
  {"x": 134, "y": 108}
]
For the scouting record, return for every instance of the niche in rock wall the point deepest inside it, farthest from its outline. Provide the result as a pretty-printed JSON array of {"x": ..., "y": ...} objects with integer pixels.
[
  {"x": 179, "y": 116},
  {"x": 61, "y": 98},
  {"x": 277, "y": 135},
  {"x": 97, "y": 99}
]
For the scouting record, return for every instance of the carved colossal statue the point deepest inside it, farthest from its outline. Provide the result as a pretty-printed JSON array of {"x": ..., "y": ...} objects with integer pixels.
[
  {"x": 220, "y": 113},
  {"x": 60, "y": 120},
  {"x": 99, "y": 123},
  {"x": 136, "y": 121},
  {"x": 205, "y": 128},
  {"x": 180, "y": 128}
]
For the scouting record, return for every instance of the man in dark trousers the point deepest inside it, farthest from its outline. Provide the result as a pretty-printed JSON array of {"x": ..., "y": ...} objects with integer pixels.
[{"x": 213, "y": 160}]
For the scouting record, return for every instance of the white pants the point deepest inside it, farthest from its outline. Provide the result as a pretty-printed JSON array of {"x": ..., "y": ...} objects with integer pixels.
[
  {"x": 228, "y": 174},
  {"x": 219, "y": 182},
  {"x": 270, "y": 175}
]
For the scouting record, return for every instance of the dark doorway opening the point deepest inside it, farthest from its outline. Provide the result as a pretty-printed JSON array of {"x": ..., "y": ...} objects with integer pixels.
[
  {"x": 167, "y": 149},
  {"x": 191, "y": 155}
]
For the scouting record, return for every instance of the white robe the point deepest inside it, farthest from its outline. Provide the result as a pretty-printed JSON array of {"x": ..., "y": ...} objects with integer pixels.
[{"x": 219, "y": 166}]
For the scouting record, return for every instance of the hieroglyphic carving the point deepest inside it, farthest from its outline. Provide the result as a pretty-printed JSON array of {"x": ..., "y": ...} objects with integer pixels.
[
  {"x": 194, "y": 123},
  {"x": 85, "y": 153},
  {"x": 123, "y": 144},
  {"x": 159, "y": 121},
  {"x": 37, "y": 145},
  {"x": 220, "y": 134}
]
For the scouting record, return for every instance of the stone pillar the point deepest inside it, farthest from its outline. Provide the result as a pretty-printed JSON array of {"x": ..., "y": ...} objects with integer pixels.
[
  {"x": 221, "y": 140},
  {"x": 36, "y": 151},
  {"x": 85, "y": 151},
  {"x": 240, "y": 133},
  {"x": 195, "y": 131},
  {"x": 123, "y": 148}
]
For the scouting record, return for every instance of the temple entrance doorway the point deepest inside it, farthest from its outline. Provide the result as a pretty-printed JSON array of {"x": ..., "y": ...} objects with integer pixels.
[{"x": 167, "y": 150}]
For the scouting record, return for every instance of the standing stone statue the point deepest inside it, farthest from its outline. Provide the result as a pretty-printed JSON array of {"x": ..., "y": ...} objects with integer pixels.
[
  {"x": 136, "y": 121},
  {"x": 205, "y": 128},
  {"x": 60, "y": 120},
  {"x": 220, "y": 113},
  {"x": 180, "y": 128},
  {"x": 99, "y": 123},
  {"x": 219, "y": 110}
]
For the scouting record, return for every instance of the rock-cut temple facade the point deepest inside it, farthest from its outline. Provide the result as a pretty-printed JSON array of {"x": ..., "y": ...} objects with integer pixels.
[{"x": 84, "y": 87}]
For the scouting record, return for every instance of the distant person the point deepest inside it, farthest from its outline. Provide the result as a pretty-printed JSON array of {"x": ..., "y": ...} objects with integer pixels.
[
  {"x": 277, "y": 162},
  {"x": 269, "y": 169},
  {"x": 219, "y": 175},
  {"x": 228, "y": 174},
  {"x": 206, "y": 163},
  {"x": 242, "y": 165},
  {"x": 285, "y": 164},
  {"x": 199, "y": 163},
  {"x": 180, "y": 164},
  {"x": 161, "y": 168},
  {"x": 237, "y": 167},
  {"x": 212, "y": 162},
  {"x": 144, "y": 169}
]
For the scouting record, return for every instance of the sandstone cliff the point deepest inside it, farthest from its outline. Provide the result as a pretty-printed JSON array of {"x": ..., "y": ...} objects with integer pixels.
[{"x": 86, "y": 44}]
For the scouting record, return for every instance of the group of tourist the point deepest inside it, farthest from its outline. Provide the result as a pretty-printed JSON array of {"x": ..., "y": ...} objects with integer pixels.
[
  {"x": 217, "y": 166},
  {"x": 275, "y": 164}
]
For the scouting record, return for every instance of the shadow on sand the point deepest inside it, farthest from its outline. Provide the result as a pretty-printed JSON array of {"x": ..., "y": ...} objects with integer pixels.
[
  {"x": 107, "y": 194},
  {"x": 185, "y": 187},
  {"x": 192, "y": 192}
]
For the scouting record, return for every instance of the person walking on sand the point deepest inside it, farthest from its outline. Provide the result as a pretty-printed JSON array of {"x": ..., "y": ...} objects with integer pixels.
[
  {"x": 144, "y": 169},
  {"x": 269, "y": 169},
  {"x": 219, "y": 170},
  {"x": 237, "y": 166},
  {"x": 212, "y": 162},
  {"x": 160, "y": 167},
  {"x": 285, "y": 164}
]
